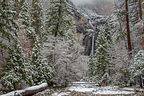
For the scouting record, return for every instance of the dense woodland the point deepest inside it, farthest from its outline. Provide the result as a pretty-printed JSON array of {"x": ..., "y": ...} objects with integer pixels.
[{"x": 39, "y": 43}]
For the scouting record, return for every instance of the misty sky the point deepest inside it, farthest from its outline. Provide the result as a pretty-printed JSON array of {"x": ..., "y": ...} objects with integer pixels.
[{"x": 81, "y": 2}]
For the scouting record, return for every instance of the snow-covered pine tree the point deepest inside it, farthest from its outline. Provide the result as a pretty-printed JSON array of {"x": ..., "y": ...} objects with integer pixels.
[
  {"x": 38, "y": 22},
  {"x": 102, "y": 58},
  {"x": 133, "y": 11},
  {"x": 15, "y": 69},
  {"x": 41, "y": 70},
  {"x": 59, "y": 19},
  {"x": 137, "y": 69},
  {"x": 25, "y": 17},
  {"x": 13, "y": 73},
  {"x": 8, "y": 27},
  {"x": 107, "y": 32},
  {"x": 91, "y": 66}
]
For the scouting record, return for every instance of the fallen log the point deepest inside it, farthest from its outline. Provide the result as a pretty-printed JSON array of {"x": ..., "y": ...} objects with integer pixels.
[{"x": 28, "y": 91}]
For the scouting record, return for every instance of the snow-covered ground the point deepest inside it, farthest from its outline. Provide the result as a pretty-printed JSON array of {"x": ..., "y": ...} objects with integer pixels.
[
  {"x": 81, "y": 89},
  {"x": 109, "y": 92},
  {"x": 90, "y": 89},
  {"x": 84, "y": 89}
]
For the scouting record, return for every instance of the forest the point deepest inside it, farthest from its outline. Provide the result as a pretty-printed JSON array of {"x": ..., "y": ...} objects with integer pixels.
[{"x": 71, "y": 48}]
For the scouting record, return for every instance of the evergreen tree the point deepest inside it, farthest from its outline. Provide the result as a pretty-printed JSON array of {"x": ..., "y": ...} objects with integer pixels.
[
  {"x": 38, "y": 19},
  {"x": 59, "y": 19},
  {"x": 15, "y": 68},
  {"x": 91, "y": 65},
  {"x": 13, "y": 71},
  {"x": 100, "y": 63},
  {"x": 137, "y": 69},
  {"x": 41, "y": 70},
  {"x": 8, "y": 27},
  {"x": 25, "y": 17}
]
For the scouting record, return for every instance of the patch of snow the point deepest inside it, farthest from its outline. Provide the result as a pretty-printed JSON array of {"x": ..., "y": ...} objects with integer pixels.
[
  {"x": 108, "y": 92},
  {"x": 79, "y": 82},
  {"x": 138, "y": 89},
  {"x": 109, "y": 88},
  {"x": 128, "y": 89},
  {"x": 139, "y": 24},
  {"x": 21, "y": 91},
  {"x": 133, "y": 89},
  {"x": 81, "y": 89},
  {"x": 84, "y": 82},
  {"x": 61, "y": 94},
  {"x": 43, "y": 92},
  {"x": 14, "y": 92}
]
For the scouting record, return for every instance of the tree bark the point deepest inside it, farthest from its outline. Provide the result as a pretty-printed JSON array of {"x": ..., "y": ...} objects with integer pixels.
[
  {"x": 140, "y": 9},
  {"x": 141, "y": 81},
  {"x": 92, "y": 52},
  {"x": 128, "y": 28},
  {"x": 58, "y": 24}
]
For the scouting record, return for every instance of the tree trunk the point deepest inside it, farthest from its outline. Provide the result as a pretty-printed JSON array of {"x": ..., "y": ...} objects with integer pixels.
[
  {"x": 141, "y": 81},
  {"x": 58, "y": 24},
  {"x": 140, "y": 9},
  {"x": 128, "y": 28},
  {"x": 92, "y": 52}
]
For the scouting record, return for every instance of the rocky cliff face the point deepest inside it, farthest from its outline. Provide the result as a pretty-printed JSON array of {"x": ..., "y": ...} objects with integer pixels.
[{"x": 88, "y": 17}]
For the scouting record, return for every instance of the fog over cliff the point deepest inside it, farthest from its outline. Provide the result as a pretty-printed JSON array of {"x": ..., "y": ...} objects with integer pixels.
[
  {"x": 83, "y": 2},
  {"x": 101, "y": 7}
]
